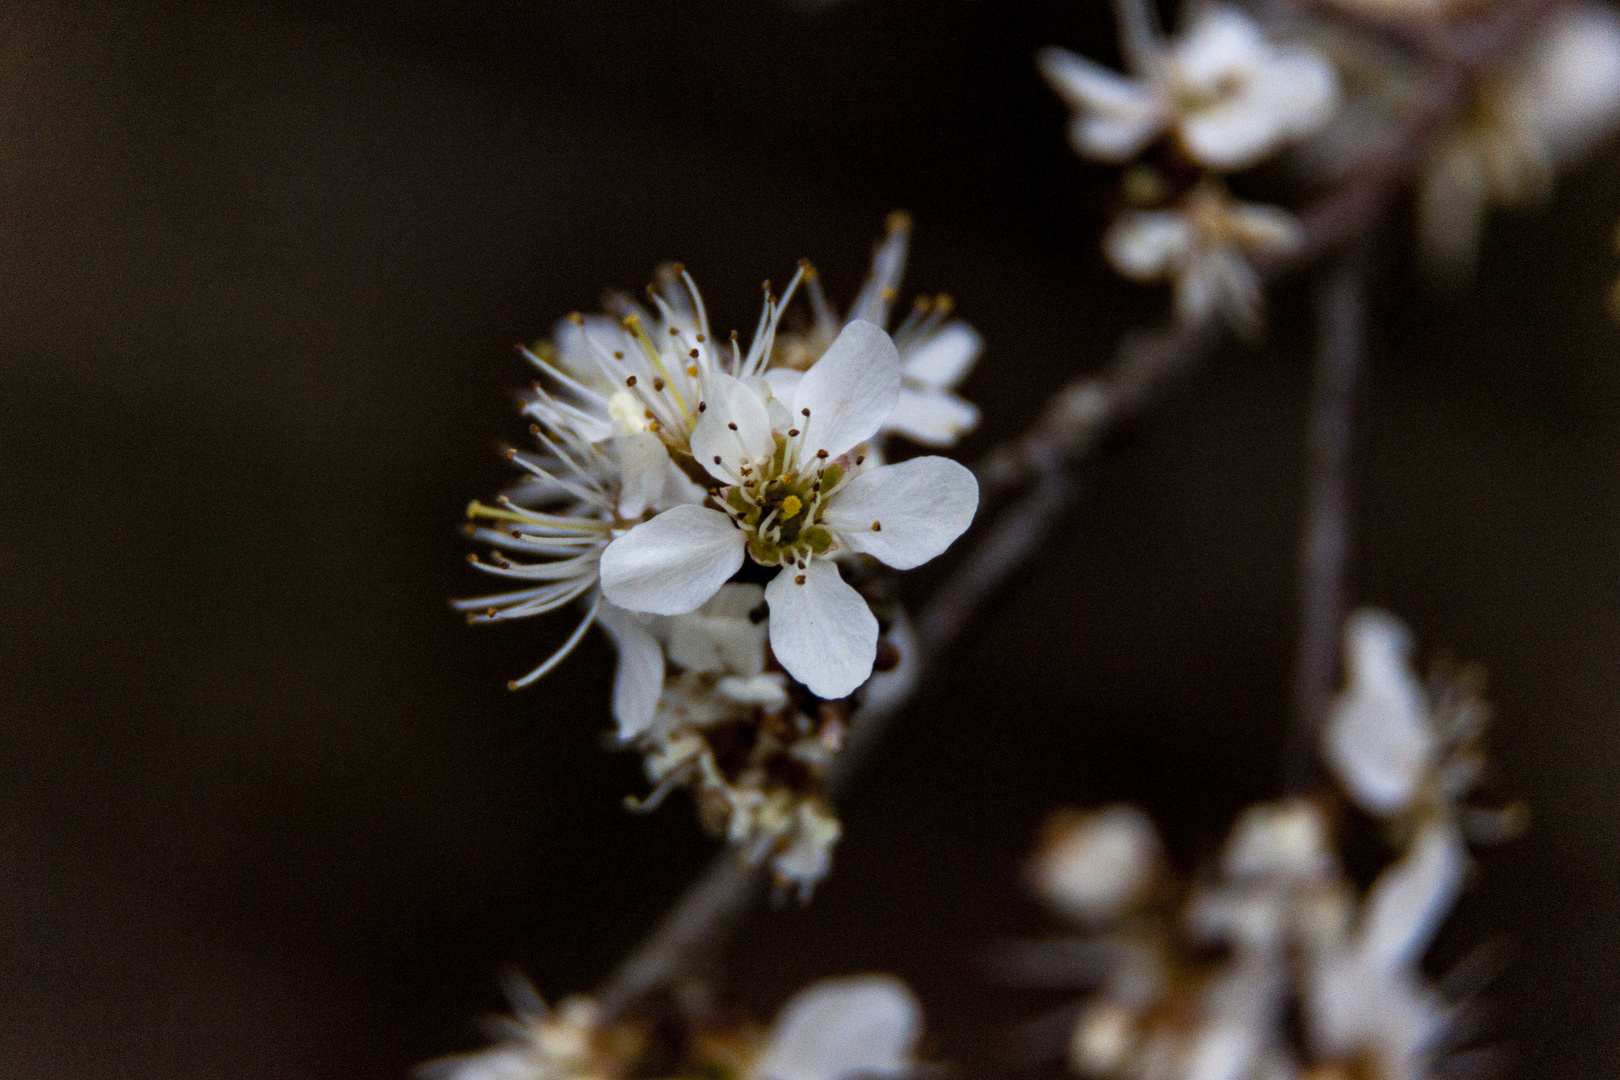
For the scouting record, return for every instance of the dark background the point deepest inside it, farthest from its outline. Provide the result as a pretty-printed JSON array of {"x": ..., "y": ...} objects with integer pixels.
[{"x": 266, "y": 808}]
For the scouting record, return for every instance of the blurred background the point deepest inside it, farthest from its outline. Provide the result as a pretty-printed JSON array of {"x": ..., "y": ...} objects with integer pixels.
[{"x": 267, "y": 810}]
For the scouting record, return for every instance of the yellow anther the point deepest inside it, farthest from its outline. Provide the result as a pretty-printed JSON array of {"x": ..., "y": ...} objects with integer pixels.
[{"x": 791, "y": 506}]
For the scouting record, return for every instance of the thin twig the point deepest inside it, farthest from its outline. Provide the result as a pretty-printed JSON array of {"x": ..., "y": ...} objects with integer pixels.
[
  {"x": 1080, "y": 416},
  {"x": 1325, "y": 539}
]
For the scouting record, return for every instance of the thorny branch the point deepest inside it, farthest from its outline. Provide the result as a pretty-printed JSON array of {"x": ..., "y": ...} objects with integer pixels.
[
  {"x": 1325, "y": 539},
  {"x": 1080, "y": 416}
]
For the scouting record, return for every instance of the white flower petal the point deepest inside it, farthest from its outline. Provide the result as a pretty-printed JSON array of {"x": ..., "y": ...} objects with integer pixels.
[
  {"x": 1303, "y": 90},
  {"x": 944, "y": 359},
  {"x": 1114, "y": 138},
  {"x": 1146, "y": 244},
  {"x": 1221, "y": 42},
  {"x": 1569, "y": 87},
  {"x": 842, "y": 1028},
  {"x": 905, "y": 514},
  {"x": 850, "y": 391},
  {"x": 783, "y": 381},
  {"x": 674, "y": 562},
  {"x": 736, "y": 428},
  {"x": 643, "y": 465},
  {"x": 821, "y": 630},
  {"x": 1411, "y": 899},
  {"x": 719, "y": 636},
  {"x": 1231, "y": 135},
  {"x": 932, "y": 418},
  {"x": 639, "y": 679},
  {"x": 1086, "y": 84},
  {"x": 1263, "y": 228},
  {"x": 1377, "y": 738}
]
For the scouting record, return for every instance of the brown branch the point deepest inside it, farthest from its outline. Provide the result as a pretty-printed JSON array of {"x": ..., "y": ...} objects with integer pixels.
[
  {"x": 1080, "y": 416},
  {"x": 1325, "y": 540}
]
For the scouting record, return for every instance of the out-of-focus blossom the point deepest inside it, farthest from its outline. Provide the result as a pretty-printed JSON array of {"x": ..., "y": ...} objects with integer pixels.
[
  {"x": 1404, "y": 750},
  {"x": 792, "y": 496},
  {"x": 1230, "y": 95},
  {"x": 1365, "y": 994},
  {"x": 836, "y": 1029},
  {"x": 1090, "y": 867},
  {"x": 1204, "y": 247},
  {"x": 1556, "y": 99},
  {"x": 936, "y": 351},
  {"x": 536, "y": 1043}
]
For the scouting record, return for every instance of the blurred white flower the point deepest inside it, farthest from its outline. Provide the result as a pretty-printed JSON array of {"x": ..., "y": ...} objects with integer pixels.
[
  {"x": 1377, "y": 738},
  {"x": 1558, "y": 97},
  {"x": 1091, "y": 867},
  {"x": 1365, "y": 994},
  {"x": 1204, "y": 246},
  {"x": 792, "y": 498},
  {"x": 936, "y": 351},
  {"x": 537, "y": 1043},
  {"x": 1403, "y": 750},
  {"x": 1230, "y": 96},
  {"x": 837, "y": 1029},
  {"x": 842, "y": 1029}
]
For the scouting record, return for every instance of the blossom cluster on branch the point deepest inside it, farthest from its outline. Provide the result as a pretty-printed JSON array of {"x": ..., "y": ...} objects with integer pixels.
[
  {"x": 710, "y": 509},
  {"x": 1198, "y": 977}
]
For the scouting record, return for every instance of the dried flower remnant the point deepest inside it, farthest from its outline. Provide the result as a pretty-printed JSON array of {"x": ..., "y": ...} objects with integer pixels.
[
  {"x": 791, "y": 490},
  {"x": 936, "y": 351},
  {"x": 836, "y": 1029},
  {"x": 1554, "y": 100},
  {"x": 1204, "y": 247},
  {"x": 739, "y": 737},
  {"x": 1230, "y": 96}
]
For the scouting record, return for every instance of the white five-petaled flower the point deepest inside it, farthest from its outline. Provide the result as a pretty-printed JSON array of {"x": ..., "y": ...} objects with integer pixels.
[
  {"x": 1559, "y": 96},
  {"x": 614, "y": 413},
  {"x": 790, "y": 497},
  {"x": 1204, "y": 246},
  {"x": 936, "y": 351},
  {"x": 1230, "y": 96}
]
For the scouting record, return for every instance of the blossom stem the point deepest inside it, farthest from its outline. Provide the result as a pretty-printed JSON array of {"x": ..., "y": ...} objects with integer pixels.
[{"x": 1325, "y": 540}]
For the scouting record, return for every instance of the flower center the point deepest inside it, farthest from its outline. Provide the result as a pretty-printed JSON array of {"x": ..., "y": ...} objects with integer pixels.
[{"x": 779, "y": 504}]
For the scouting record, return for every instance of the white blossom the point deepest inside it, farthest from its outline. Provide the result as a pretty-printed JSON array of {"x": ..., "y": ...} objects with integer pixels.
[
  {"x": 1365, "y": 994},
  {"x": 1230, "y": 96},
  {"x": 1204, "y": 247},
  {"x": 537, "y": 1043},
  {"x": 1557, "y": 98},
  {"x": 1092, "y": 866},
  {"x": 1377, "y": 737},
  {"x": 792, "y": 497}
]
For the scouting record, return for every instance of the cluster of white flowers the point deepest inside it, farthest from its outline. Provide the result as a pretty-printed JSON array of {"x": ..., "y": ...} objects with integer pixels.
[
  {"x": 668, "y": 467},
  {"x": 1229, "y": 97},
  {"x": 837, "y": 1029},
  {"x": 1200, "y": 977}
]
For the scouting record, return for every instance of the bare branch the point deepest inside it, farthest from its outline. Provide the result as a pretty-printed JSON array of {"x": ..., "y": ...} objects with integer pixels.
[{"x": 1325, "y": 541}]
